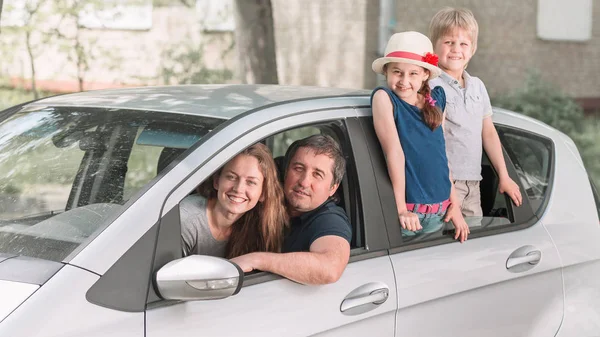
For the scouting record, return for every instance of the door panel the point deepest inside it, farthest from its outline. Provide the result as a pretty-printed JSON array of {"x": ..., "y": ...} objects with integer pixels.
[
  {"x": 284, "y": 308},
  {"x": 466, "y": 289}
]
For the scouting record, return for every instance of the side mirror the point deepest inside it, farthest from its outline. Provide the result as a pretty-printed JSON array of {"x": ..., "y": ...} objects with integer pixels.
[{"x": 199, "y": 277}]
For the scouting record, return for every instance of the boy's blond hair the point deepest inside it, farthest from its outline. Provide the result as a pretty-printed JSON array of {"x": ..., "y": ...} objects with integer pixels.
[{"x": 448, "y": 19}]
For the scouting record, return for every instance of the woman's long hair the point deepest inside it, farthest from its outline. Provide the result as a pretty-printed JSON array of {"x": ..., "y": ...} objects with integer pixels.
[
  {"x": 432, "y": 115},
  {"x": 261, "y": 228}
]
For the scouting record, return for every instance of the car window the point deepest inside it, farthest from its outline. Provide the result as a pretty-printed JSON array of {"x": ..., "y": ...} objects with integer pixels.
[
  {"x": 495, "y": 207},
  {"x": 532, "y": 158},
  {"x": 63, "y": 171},
  {"x": 596, "y": 196},
  {"x": 280, "y": 142}
]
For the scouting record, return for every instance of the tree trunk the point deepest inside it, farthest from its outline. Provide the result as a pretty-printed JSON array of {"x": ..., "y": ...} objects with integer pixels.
[
  {"x": 1, "y": 8},
  {"x": 32, "y": 64},
  {"x": 255, "y": 41}
]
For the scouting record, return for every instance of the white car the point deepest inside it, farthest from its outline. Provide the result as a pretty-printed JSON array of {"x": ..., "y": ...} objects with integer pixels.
[{"x": 90, "y": 185}]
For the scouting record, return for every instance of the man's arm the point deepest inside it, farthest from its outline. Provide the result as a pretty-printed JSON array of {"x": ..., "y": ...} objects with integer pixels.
[
  {"x": 493, "y": 148},
  {"x": 323, "y": 264}
]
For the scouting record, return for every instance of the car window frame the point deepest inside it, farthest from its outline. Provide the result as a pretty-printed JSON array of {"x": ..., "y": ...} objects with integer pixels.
[
  {"x": 503, "y": 128},
  {"x": 523, "y": 216},
  {"x": 376, "y": 244}
]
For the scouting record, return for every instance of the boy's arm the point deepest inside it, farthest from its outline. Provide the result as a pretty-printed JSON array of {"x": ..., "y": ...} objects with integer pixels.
[
  {"x": 454, "y": 213},
  {"x": 493, "y": 148},
  {"x": 323, "y": 264},
  {"x": 385, "y": 128}
]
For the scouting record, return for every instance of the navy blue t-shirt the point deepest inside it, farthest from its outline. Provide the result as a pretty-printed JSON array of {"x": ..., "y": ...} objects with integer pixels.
[
  {"x": 426, "y": 165},
  {"x": 327, "y": 219}
]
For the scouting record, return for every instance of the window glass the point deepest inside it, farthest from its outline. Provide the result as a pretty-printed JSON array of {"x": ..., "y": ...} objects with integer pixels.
[
  {"x": 596, "y": 196},
  {"x": 532, "y": 158},
  {"x": 63, "y": 171},
  {"x": 280, "y": 142}
]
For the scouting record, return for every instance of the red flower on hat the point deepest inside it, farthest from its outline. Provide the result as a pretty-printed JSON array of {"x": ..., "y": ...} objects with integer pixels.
[{"x": 431, "y": 59}]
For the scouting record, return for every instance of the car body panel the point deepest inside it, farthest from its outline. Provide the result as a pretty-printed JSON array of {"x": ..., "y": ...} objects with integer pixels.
[
  {"x": 285, "y": 308},
  {"x": 468, "y": 291},
  {"x": 13, "y": 294},
  {"x": 60, "y": 309}
]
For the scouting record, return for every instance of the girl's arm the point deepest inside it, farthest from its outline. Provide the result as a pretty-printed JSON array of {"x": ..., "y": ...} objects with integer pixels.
[{"x": 385, "y": 128}]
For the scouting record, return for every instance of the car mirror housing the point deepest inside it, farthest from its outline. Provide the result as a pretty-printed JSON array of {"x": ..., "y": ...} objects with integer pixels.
[{"x": 199, "y": 277}]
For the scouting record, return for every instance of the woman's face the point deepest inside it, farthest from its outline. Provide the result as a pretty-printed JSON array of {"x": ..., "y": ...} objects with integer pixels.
[{"x": 239, "y": 186}]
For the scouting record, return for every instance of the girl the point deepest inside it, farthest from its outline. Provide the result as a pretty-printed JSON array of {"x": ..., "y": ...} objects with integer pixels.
[
  {"x": 407, "y": 116},
  {"x": 239, "y": 211}
]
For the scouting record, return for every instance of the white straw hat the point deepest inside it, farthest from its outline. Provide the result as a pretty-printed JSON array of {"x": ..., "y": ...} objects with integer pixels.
[{"x": 409, "y": 47}]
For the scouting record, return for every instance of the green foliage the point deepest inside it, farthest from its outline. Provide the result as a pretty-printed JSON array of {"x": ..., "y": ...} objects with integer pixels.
[
  {"x": 548, "y": 104},
  {"x": 184, "y": 64},
  {"x": 10, "y": 96}
]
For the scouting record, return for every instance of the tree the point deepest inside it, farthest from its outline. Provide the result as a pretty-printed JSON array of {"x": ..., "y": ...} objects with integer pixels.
[
  {"x": 255, "y": 41},
  {"x": 1, "y": 8},
  {"x": 34, "y": 15}
]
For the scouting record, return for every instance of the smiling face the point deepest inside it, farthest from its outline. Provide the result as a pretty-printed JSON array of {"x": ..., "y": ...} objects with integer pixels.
[
  {"x": 308, "y": 181},
  {"x": 405, "y": 80},
  {"x": 454, "y": 50},
  {"x": 239, "y": 185}
]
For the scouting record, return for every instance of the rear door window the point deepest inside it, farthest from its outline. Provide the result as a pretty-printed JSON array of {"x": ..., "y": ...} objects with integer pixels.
[{"x": 532, "y": 156}]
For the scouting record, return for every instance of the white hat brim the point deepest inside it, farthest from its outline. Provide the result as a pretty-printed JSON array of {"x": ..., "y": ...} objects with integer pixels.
[{"x": 378, "y": 64}]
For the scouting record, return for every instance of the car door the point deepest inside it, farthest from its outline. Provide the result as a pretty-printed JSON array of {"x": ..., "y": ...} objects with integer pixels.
[
  {"x": 269, "y": 305},
  {"x": 505, "y": 280}
]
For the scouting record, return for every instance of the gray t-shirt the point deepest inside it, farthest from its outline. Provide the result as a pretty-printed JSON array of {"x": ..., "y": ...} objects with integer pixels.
[
  {"x": 465, "y": 110},
  {"x": 196, "y": 237}
]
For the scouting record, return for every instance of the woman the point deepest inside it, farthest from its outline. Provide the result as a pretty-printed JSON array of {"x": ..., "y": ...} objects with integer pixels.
[{"x": 240, "y": 210}]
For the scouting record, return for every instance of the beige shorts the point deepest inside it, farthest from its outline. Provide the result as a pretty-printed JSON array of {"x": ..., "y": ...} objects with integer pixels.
[{"x": 470, "y": 199}]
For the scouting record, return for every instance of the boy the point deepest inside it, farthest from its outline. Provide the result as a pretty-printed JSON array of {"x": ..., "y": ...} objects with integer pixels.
[{"x": 468, "y": 116}]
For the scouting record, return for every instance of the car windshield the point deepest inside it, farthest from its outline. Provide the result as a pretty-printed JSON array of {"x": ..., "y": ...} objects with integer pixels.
[{"x": 63, "y": 171}]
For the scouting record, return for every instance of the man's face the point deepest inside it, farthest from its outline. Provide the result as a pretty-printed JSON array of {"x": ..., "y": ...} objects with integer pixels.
[{"x": 308, "y": 181}]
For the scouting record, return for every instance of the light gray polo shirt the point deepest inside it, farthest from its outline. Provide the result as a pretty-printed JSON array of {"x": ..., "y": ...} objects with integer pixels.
[{"x": 465, "y": 110}]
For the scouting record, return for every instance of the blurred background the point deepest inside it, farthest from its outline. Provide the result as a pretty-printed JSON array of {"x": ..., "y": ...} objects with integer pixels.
[{"x": 537, "y": 57}]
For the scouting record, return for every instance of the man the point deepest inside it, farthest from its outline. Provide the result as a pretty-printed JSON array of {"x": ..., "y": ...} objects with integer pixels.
[{"x": 317, "y": 248}]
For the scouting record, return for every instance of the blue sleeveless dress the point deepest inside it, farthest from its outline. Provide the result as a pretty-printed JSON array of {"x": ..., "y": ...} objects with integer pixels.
[{"x": 426, "y": 164}]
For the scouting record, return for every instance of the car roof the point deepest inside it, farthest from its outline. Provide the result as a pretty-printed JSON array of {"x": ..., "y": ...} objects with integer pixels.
[
  {"x": 220, "y": 101},
  {"x": 229, "y": 100}
]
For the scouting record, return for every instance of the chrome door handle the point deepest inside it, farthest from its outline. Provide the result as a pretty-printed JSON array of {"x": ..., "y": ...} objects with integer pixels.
[
  {"x": 375, "y": 297},
  {"x": 532, "y": 258}
]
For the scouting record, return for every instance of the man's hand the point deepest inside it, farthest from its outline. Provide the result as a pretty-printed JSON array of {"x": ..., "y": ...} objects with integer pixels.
[
  {"x": 246, "y": 262},
  {"x": 510, "y": 188},
  {"x": 409, "y": 221},
  {"x": 462, "y": 229}
]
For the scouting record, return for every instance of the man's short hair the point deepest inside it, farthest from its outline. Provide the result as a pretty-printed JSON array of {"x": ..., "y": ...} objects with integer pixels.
[
  {"x": 320, "y": 144},
  {"x": 448, "y": 19}
]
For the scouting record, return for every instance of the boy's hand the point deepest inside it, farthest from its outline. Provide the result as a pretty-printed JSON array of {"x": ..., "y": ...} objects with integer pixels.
[
  {"x": 461, "y": 228},
  {"x": 409, "y": 221},
  {"x": 511, "y": 189}
]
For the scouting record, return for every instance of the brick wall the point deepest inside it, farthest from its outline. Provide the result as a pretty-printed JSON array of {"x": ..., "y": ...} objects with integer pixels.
[{"x": 508, "y": 46}]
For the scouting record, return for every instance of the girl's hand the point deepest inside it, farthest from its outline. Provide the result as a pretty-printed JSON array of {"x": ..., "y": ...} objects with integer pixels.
[
  {"x": 510, "y": 188},
  {"x": 410, "y": 221},
  {"x": 461, "y": 228}
]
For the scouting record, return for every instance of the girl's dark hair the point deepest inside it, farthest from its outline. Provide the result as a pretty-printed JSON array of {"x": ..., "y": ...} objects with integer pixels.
[{"x": 432, "y": 115}]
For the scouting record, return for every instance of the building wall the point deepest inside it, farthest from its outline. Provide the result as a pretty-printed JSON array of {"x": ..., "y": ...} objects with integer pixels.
[
  {"x": 325, "y": 43},
  {"x": 328, "y": 43},
  {"x": 122, "y": 57},
  {"x": 508, "y": 45}
]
